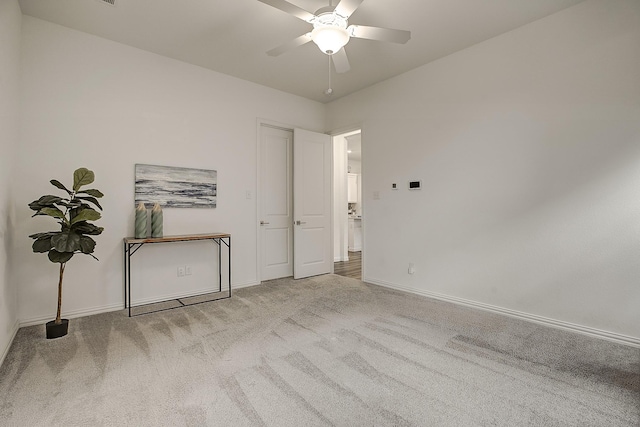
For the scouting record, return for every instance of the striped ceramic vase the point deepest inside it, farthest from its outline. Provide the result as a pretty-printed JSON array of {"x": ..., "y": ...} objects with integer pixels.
[
  {"x": 141, "y": 221},
  {"x": 156, "y": 221}
]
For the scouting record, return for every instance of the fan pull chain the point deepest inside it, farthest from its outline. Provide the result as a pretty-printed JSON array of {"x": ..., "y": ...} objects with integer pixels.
[{"x": 329, "y": 91}]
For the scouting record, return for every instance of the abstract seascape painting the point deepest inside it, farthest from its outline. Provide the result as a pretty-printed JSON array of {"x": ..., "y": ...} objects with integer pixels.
[{"x": 174, "y": 187}]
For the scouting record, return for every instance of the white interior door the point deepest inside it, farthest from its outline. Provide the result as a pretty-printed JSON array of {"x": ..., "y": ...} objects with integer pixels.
[
  {"x": 313, "y": 231},
  {"x": 276, "y": 207}
]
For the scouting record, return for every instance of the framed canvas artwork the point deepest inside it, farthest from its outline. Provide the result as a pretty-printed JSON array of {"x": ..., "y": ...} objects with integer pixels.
[{"x": 175, "y": 187}]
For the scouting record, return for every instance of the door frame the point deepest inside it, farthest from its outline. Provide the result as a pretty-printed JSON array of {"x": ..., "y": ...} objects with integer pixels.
[
  {"x": 340, "y": 184},
  {"x": 339, "y": 132}
]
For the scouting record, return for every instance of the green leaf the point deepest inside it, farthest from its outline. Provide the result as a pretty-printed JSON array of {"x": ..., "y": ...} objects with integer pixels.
[
  {"x": 93, "y": 192},
  {"x": 61, "y": 257},
  {"x": 83, "y": 205},
  {"x": 83, "y": 227},
  {"x": 86, "y": 215},
  {"x": 66, "y": 241},
  {"x": 47, "y": 201},
  {"x": 92, "y": 200},
  {"x": 58, "y": 184},
  {"x": 43, "y": 235},
  {"x": 82, "y": 176},
  {"x": 54, "y": 212},
  {"x": 42, "y": 245},
  {"x": 74, "y": 203},
  {"x": 87, "y": 244}
]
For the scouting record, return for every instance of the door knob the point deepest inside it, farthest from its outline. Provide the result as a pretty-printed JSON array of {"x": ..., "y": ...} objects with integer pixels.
[
  {"x": 264, "y": 223},
  {"x": 300, "y": 222}
]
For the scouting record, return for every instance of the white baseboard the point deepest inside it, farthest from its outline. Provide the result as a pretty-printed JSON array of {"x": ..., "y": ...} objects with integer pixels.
[
  {"x": 585, "y": 330},
  {"x": 120, "y": 306},
  {"x": 5, "y": 351},
  {"x": 72, "y": 314},
  {"x": 175, "y": 295},
  {"x": 244, "y": 285}
]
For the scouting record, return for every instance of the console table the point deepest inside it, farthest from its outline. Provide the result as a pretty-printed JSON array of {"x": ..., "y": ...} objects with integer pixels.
[{"x": 132, "y": 245}]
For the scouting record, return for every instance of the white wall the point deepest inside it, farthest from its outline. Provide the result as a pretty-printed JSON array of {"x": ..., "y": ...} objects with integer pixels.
[
  {"x": 528, "y": 147},
  {"x": 90, "y": 102},
  {"x": 10, "y": 21},
  {"x": 355, "y": 166}
]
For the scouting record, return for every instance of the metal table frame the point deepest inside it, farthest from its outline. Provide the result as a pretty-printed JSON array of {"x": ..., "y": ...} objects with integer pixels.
[{"x": 132, "y": 245}]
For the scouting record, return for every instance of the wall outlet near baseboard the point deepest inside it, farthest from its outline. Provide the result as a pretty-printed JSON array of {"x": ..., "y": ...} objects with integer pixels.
[
  {"x": 181, "y": 271},
  {"x": 187, "y": 270}
]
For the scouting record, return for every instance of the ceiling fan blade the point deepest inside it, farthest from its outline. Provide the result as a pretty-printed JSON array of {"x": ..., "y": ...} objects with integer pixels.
[
  {"x": 298, "y": 41},
  {"x": 377, "y": 33},
  {"x": 340, "y": 61},
  {"x": 346, "y": 7},
  {"x": 290, "y": 9}
]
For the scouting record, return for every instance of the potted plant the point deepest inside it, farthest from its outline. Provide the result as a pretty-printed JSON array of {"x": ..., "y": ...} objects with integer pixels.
[{"x": 73, "y": 213}]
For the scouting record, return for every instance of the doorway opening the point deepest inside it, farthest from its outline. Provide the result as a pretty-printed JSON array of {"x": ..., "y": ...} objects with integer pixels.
[{"x": 348, "y": 204}]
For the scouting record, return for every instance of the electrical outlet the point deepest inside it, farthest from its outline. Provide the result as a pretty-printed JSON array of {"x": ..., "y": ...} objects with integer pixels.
[
  {"x": 187, "y": 270},
  {"x": 181, "y": 271},
  {"x": 412, "y": 268}
]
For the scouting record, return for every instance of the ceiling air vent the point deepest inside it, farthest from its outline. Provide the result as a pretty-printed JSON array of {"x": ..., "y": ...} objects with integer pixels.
[{"x": 109, "y": 2}]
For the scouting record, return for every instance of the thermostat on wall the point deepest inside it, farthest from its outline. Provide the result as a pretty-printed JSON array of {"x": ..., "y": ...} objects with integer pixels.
[{"x": 415, "y": 185}]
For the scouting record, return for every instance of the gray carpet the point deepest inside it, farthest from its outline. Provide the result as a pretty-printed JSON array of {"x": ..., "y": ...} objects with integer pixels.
[{"x": 322, "y": 351}]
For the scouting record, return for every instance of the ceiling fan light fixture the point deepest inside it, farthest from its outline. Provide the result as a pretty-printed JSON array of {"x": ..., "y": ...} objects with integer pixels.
[
  {"x": 330, "y": 32},
  {"x": 330, "y": 38}
]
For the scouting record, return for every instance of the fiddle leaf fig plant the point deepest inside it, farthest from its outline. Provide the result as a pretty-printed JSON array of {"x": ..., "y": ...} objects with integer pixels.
[{"x": 73, "y": 212}]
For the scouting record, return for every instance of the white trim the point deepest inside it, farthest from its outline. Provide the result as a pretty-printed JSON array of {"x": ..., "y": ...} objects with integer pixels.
[
  {"x": 175, "y": 295},
  {"x": 119, "y": 306},
  {"x": 339, "y": 197},
  {"x": 585, "y": 330},
  {"x": 344, "y": 225},
  {"x": 363, "y": 207},
  {"x": 244, "y": 285},
  {"x": 332, "y": 206},
  {"x": 13, "y": 335},
  {"x": 72, "y": 314},
  {"x": 346, "y": 131}
]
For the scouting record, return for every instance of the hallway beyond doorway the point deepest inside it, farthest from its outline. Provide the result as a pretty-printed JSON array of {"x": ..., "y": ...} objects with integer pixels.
[{"x": 351, "y": 268}]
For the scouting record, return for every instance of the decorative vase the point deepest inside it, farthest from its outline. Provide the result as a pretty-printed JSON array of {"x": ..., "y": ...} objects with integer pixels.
[
  {"x": 156, "y": 221},
  {"x": 141, "y": 221}
]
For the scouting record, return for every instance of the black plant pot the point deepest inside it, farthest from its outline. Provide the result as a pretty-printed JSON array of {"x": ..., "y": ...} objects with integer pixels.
[{"x": 57, "y": 331}]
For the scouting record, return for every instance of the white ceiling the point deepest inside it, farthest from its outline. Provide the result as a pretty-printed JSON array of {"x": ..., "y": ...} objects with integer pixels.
[{"x": 232, "y": 36}]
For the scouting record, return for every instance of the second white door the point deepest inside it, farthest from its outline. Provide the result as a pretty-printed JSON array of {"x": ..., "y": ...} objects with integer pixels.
[{"x": 313, "y": 232}]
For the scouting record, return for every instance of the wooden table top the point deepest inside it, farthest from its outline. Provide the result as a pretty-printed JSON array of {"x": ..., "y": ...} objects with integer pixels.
[{"x": 179, "y": 238}]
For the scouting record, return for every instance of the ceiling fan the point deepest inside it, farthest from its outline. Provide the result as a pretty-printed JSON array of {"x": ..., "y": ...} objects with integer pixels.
[{"x": 331, "y": 30}]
